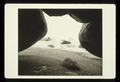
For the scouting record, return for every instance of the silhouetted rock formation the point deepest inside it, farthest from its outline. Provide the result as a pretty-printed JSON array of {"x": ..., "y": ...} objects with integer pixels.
[
  {"x": 32, "y": 27},
  {"x": 90, "y": 38}
]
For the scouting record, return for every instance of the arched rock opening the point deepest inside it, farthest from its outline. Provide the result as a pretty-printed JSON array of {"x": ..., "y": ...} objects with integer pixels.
[{"x": 32, "y": 27}]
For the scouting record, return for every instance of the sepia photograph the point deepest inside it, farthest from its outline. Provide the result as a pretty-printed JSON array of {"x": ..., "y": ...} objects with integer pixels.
[{"x": 60, "y": 40}]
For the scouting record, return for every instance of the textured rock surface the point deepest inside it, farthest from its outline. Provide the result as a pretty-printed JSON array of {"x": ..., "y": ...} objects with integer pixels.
[
  {"x": 71, "y": 65},
  {"x": 39, "y": 61}
]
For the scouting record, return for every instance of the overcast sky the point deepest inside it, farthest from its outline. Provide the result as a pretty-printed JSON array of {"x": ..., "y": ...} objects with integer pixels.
[{"x": 63, "y": 27}]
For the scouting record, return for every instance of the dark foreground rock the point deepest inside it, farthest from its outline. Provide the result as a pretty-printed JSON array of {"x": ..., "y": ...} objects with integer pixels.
[
  {"x": 71, "y": 65},
  {"x": 38, "y": 61}
]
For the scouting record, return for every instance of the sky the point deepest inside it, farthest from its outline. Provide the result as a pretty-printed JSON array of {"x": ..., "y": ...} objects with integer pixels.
[{"x": 63, "y": 27}]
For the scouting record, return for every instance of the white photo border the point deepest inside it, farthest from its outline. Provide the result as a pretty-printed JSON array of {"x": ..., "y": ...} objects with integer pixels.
[{"x": 108, "y": 39}]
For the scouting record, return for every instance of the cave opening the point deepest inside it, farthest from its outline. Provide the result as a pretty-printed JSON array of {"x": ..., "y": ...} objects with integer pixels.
[
  {"x": 61, "y": 29},
  {"x": 62, "y": 33}
]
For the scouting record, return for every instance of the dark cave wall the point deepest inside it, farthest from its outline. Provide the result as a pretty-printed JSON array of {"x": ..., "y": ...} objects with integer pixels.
[
  {"x": 32, "y": 27},
  {"x": 85, "y": 15}
]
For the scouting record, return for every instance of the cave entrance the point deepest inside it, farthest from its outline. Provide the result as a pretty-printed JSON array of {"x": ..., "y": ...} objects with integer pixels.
[{"x": 62, "y": 33}]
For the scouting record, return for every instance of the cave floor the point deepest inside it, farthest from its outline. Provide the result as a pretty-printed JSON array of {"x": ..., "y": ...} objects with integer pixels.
[{"x": 43, "y": 61}]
